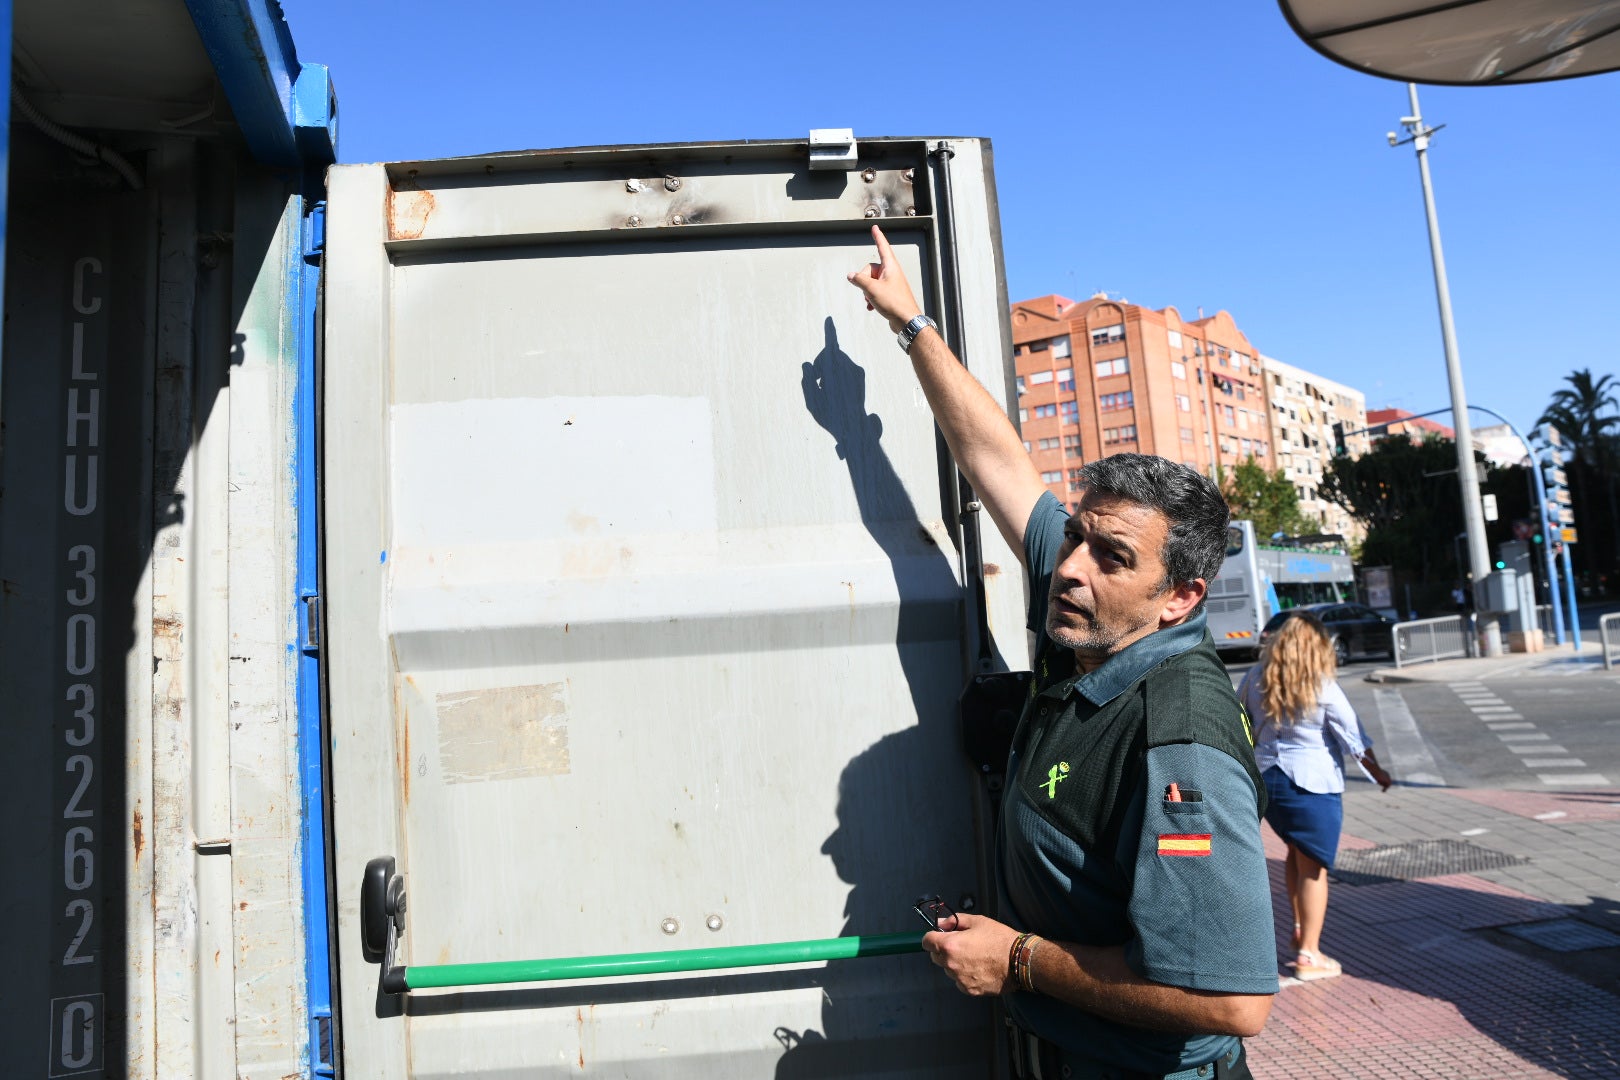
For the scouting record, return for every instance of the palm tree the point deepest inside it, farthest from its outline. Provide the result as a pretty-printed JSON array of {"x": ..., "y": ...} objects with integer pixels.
[{"x": 1587, "y": 415}]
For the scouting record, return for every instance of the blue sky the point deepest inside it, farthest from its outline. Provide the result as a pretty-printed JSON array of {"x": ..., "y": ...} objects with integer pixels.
[{"x": 1182, "y": 153}]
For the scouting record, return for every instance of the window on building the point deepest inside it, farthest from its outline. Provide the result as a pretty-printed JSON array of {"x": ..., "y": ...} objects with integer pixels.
[
  {"x": 1240, "y": 395},
  {"x": 1198, "y": 347},
  {"x": 1052, "y": 477},
  {"x": 1125, "y": 399},
  {"x": 1178, "y": 370},
  {"x": 1107, "y": 335},
  {"x": 1243, "y": 419},
  {"x": 1039, "y": 346},
  {"x": 1071, "y": 445},
  {"x": 1246, "y": 446},
  {"x": 1060, "y": 347},
  {"x": 1071, "y": 412},
  {"x": 1186, "y": 434},
  {"x": 1065, "y": 378},
  {"x": 1175, "y": 338},
  {"x": 1226, "y": 411},
  {"x": 1039, "y": 378},
  {"x": 1077, "y": 477},
  {"x": 1020, "y": 381},
  {"x": 1106, "y": 368},
  {"x": 1200, "y": 376},
  {"x": 1023, "y": 414},
  {"x": 1050, "y": 444},
  {"x": 1183, "y": 403},
  {"x": 1026, "y": 446},
  {"x": 1045, "y": 410}
]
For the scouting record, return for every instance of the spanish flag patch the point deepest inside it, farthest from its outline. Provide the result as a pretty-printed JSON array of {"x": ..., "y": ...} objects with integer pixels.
[{"x": 1184, "y": 843}]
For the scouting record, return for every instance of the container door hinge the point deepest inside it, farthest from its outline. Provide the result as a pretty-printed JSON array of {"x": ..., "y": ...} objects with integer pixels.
[
  {"x": 832, "y": 148},
  {"x": 315, "y": 233},
  {"x": 312, "y": 623}
]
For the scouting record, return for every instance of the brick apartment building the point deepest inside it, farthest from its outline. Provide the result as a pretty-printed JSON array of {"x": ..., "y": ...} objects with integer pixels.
[{"x": 1100, "y": 376}]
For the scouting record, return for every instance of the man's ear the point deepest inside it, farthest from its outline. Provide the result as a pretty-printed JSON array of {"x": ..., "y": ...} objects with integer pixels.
[{"x": 1181, "y": 600}]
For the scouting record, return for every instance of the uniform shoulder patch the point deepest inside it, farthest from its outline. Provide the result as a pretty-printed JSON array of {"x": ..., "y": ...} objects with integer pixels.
[{"x": 1184, "y": 843}]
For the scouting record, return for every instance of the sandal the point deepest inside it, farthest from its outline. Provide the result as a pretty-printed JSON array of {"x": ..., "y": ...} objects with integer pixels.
[{"x": 1311, "y": 966}]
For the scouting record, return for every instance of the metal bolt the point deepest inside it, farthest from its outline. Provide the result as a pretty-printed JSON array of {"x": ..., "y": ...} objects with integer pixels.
[
  {"x": 670, "y": 925},
  {"x": 969, "y": 902},
  {"x": 634, "y": 186},
  {"x": 911, "y": 211},
  {"x": 872, "y": 211},
  {"x": 672, "y": 183},
  {"x": 909, "y": 175},
  {"x": 635, "y": 221},
  {"x": 677, "y": 219},
  {"x": 984, "y": 768},
  {"x": 973, "y": 507},
  {"x": 714, "y": 922},
  {"x": 869, "y": 175}
]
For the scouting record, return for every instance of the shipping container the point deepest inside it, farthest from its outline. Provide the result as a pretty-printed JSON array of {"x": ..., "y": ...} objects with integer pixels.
[{"x": 546, "y": 548}]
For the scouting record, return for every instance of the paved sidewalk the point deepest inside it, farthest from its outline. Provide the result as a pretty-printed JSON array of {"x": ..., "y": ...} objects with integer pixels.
[
  {"x": 1507, "y": 971},
  {"x": 1559, "y": 660}
]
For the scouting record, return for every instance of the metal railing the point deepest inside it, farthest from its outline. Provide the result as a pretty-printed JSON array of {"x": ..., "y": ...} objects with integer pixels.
[
  {"x": 1609, "y": 650},
  {"x": 1423, "y": 641}
]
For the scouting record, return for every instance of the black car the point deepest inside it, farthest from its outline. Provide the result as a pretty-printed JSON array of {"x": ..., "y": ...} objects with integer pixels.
[{"x": 1357, "y": 630}]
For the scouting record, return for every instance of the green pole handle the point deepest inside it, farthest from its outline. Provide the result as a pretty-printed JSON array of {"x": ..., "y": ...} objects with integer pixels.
[{"x": 427, "y": 976}]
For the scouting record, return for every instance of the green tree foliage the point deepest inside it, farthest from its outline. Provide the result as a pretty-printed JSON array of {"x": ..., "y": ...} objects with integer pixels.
[
  {"x": 1267, "y": 499},
  {"x": 1406, "y": 495}
]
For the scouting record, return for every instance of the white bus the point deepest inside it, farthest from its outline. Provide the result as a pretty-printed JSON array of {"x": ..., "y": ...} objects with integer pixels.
[{"x": 1257, "y": 580}]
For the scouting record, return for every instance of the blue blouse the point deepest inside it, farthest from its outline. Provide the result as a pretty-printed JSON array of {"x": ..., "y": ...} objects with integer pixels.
[{"x": 1311, "y": 750}]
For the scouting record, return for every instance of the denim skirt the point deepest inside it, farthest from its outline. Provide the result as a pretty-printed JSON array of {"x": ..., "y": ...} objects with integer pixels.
[{"x": 1308, "y": 820}]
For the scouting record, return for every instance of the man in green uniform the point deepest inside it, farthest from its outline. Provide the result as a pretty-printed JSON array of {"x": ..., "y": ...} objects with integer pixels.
[{"x": 1138, "y": 935}]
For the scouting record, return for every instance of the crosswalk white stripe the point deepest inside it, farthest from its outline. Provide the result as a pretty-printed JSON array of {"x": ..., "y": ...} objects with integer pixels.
[
  {"x": 1525, "y": 736},
  {"x": 1555, "y": 763},
  {"x": 1589, "y": 779},
  {"x": 1536, "y": 748},
  {"x": 1409, "y": 756},
  {"x": 1526, "y": 726}
]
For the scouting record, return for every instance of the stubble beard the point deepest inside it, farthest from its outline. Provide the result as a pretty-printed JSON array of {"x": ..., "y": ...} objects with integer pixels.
[{"x": 1094, "y": 639}]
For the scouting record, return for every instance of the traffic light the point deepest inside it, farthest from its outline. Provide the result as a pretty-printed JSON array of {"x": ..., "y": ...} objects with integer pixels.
[
  {"x": 1338, "y": 439},
  {"x": 1500, "y": 565}
]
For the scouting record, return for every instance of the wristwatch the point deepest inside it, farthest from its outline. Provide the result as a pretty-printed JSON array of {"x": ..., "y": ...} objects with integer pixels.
[{"x": 909, "y": 332}]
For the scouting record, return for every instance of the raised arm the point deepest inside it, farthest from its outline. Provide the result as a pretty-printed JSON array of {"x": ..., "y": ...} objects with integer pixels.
[{"x": 986, "y": 446}]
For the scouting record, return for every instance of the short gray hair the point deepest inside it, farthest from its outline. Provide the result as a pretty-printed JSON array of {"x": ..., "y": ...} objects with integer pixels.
[{"x": 1195, "y": 546}]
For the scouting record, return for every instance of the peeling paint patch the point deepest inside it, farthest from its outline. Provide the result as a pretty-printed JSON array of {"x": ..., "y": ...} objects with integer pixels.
[
  {"x": 408, "y": 214},
  {"x": 506, "y": 733}
]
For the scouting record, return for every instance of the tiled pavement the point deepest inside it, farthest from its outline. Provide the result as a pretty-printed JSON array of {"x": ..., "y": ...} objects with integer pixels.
[{"x": 1432, "y": 987}]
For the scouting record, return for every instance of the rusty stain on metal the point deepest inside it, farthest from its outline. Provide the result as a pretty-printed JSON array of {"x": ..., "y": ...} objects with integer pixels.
[
  {"x": 991, "y": 569},
  {"x": 138, "y": 833},
  {"x": 408, "y": 213}
]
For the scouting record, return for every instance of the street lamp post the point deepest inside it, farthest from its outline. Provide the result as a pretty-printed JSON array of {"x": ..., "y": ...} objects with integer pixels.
[{"x": 1479, "y": 556}]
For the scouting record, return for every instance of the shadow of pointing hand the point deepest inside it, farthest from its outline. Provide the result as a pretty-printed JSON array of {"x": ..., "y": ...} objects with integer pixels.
[{"x": 835, "y": 396}]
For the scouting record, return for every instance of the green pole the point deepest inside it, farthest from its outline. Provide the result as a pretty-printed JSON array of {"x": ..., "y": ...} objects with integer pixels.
[{"x": 425, "y": 976}]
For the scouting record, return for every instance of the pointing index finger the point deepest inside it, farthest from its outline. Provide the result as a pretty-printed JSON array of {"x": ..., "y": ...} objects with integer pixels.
[{"x": 885, "y": 252}]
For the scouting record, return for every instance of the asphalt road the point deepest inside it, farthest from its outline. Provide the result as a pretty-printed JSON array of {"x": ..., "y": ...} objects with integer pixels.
[{"x": 1521, "y": 732}]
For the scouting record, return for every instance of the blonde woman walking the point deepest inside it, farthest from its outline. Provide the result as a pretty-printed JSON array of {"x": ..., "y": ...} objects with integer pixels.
[{"x": 1304, "y": 726}]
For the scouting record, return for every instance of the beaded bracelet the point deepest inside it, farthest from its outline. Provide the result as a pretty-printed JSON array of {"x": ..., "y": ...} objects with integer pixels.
[{"x": 1026, "y": 966}]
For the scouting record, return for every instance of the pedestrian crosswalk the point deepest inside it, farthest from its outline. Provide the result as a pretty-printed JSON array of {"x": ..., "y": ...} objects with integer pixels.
[{"x": 1534, "y": 749}]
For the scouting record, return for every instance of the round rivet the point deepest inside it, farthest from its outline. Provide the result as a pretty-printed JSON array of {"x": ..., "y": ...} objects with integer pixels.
[
  {"x": 911, "y": 211},
  {"x": 672, "y": 183},
  {"x": 635, "y": 221},
  {"x": 1203, "y": 1070},
  {"x": 869, "y": 175},
  {"x": 670, "y": 925},
  {"x": 872, "y": 211},
  {"x": 677, "y": 219},
  {"x": 714, "y": 922},
  {"x": 909, "y": 175}
]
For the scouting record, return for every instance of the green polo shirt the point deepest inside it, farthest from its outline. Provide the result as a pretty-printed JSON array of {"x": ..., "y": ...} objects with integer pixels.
[{"x": 1091, "y": 851}]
